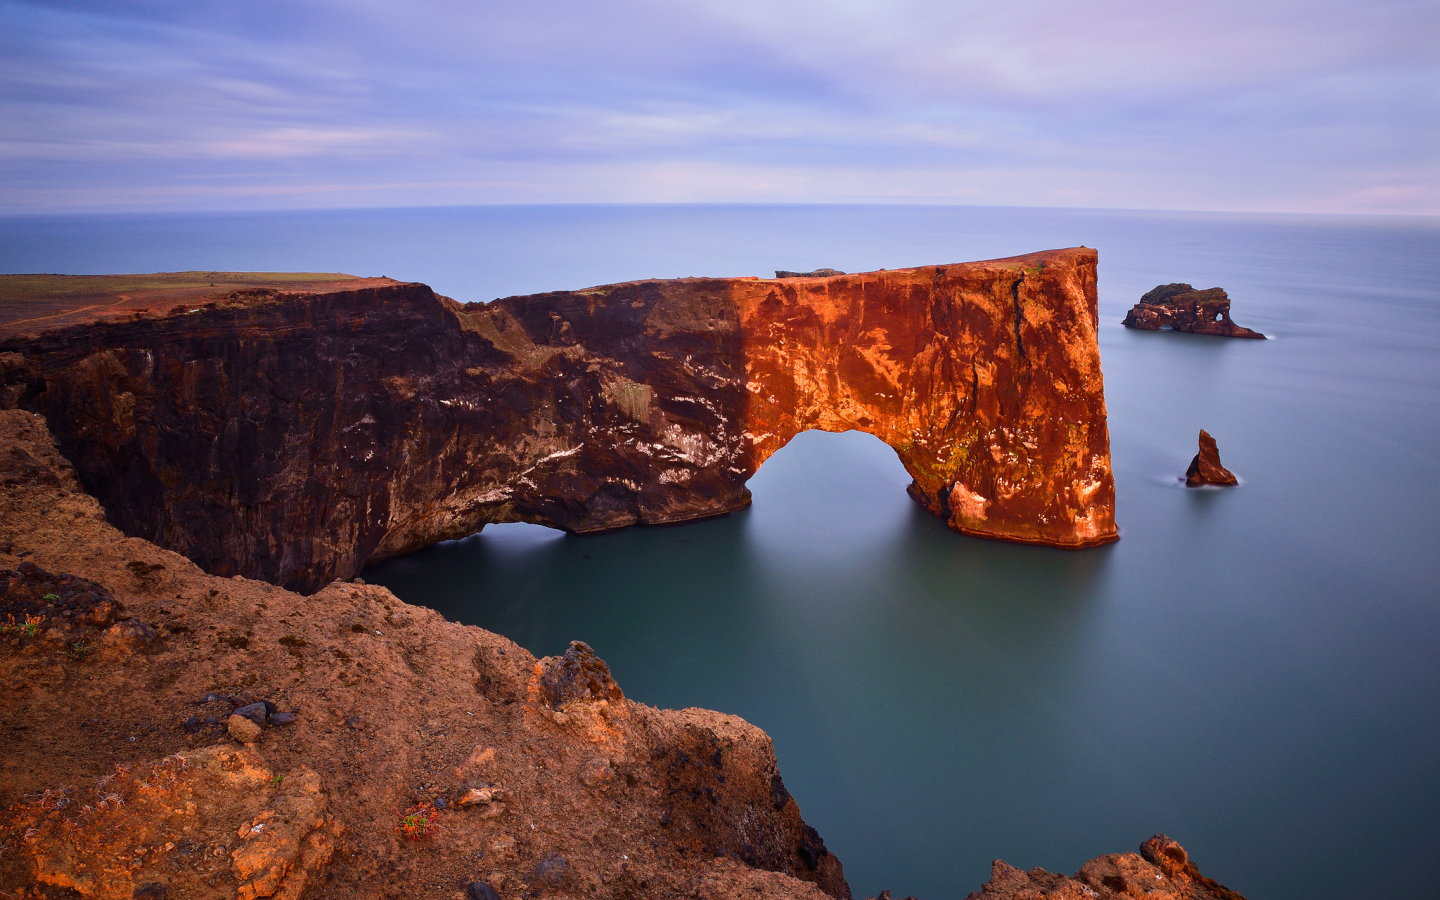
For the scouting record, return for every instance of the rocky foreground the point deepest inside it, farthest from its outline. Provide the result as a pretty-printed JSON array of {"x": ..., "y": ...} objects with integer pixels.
[
  {"x": 417, "y": 756},
  {"x": 172, "y": 734}
]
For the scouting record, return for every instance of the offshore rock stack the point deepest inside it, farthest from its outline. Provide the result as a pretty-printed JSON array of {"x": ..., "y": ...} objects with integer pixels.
[
  {"x": 1205, "y": 468},
  {"x": 1182, "y": 308}
]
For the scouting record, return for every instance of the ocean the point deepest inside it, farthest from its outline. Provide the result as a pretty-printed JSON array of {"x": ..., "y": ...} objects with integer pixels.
[{"x": 1254, "y": 671}]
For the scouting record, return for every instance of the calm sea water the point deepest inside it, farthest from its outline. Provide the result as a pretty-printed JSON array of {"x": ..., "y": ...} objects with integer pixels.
[{"x": 1254, "y": 671}]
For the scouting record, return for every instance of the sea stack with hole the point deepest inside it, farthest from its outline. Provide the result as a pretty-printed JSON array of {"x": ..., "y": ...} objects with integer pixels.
[{"x": 1180, "y": 307}]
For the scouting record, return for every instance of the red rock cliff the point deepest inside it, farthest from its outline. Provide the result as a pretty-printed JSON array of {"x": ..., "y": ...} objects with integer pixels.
[{"x": 298, "y": 434}]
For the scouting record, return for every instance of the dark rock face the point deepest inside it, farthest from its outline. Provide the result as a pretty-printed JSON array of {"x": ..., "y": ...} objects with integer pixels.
[
  {"x": 297, "y": 436},
  {"x": 1205, "y": 468},
  {"x": 1161, "y": 871},
  {"x": 1182, "y": 308}
]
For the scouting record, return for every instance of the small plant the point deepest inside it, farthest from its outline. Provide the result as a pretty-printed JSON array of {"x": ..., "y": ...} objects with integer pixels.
[
  {"x": 80, "y": 649},
  {"x": 28, "y": 628},
  {"x": 50, "y": 598},
  {"x": 422, "y": 819},
  {"x": 235, "y": 641},
  {"x": 293, "y": 644},
  {"x": 277, "y": 779}
]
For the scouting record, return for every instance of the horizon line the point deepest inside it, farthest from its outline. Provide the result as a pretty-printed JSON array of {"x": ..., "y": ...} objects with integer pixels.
[{"x": 271, "y": 210}]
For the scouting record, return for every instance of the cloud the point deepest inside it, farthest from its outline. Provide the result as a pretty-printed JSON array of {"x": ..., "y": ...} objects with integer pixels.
[{"x": 1318, "y": 106}]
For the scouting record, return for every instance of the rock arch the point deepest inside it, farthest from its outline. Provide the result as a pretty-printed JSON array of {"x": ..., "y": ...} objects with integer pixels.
[{"x": 297, "y": 434}]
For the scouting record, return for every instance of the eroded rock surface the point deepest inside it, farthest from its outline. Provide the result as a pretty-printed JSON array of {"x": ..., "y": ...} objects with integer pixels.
[
  {"x": 1182, "y": 308},
  {"x": 1160, "y": 871},
  {"x": 1205, "y": 468},
  {"x": 297, "y": 435},
  {"x": 171, "y": 825}
]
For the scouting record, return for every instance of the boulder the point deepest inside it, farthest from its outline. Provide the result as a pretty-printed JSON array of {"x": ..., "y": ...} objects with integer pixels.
[{"x": 243, "y": 729}]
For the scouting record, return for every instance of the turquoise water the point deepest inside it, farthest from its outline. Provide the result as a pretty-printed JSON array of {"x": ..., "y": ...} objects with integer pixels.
[{"x": 1254, "y": 671}]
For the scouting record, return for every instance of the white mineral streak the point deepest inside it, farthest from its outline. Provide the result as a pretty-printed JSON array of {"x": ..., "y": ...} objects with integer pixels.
[
  {"x": 968, "y": 503},
  {"x": 693, "y": 448},
  {"x": 680, "y": 398},
  {"x": 703, "y": 372},
  {"x": 558, "y": 454}
]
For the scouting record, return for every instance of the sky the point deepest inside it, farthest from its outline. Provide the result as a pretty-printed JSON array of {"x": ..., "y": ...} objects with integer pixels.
[{"x": 1328, "y": 106}]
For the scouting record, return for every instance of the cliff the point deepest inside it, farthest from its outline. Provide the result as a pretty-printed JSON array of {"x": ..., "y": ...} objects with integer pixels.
[
  {"x": 296, "y": 431},
  {"x": 1180, "y": 307}
]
